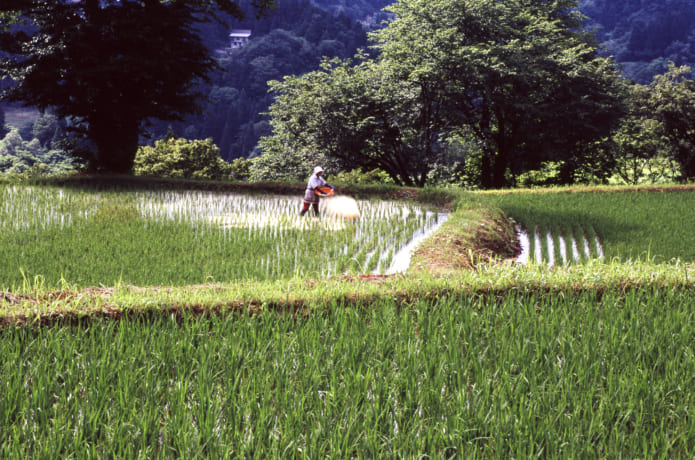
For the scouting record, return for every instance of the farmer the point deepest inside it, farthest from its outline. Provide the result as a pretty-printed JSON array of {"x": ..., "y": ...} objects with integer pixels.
[{"x": 310, "y": 197}]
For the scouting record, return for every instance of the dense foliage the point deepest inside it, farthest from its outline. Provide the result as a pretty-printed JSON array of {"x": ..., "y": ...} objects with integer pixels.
[
  {"x": 355, "y": 114},
  {"x": 408, "y": 127},
  {"x": 38, "y": 149},
  {"x": 524, "y": 81},
  {"x": 108, "y": 65},
  {"x": 673, "y": 104},
  {"x": 643, "y": 35},
  {"x": 183, "y": 159},
  {"x": 290, "y": 41},
  {"x": 369, "y": 12},
  {"x": 656, "y": 139}
]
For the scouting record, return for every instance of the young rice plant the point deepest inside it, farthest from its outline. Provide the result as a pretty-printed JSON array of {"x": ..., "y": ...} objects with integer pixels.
[{"x": 88, "y": 237}]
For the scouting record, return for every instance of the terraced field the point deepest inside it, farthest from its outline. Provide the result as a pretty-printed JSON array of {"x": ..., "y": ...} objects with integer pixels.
[
  {"x": 569, "y": 226},
  {"x": 460, "y": 356}
]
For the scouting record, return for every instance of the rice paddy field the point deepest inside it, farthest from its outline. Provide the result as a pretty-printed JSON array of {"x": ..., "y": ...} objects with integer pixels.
[
  {"x": 566, "y": 227},
  {"x": 592, "y": 358},
  {"x": 89, "y": 237},
  {"x": 521, "y": 376}
]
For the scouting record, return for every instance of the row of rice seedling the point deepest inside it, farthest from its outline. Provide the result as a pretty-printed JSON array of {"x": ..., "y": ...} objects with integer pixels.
[
  {"x": 516, "y": 376},
  {"x": 89, "y": 237},
  {"x": 655, "y": 225},
  {"x": 559, "y": 246}
]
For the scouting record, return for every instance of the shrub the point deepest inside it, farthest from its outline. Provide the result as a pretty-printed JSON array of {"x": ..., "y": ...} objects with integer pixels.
[
  {"x": 182, "y": 159},
  {"x": 240, "y": 169},
  {"x": 547, "y": 175},
  {"x": 357, "y": 176},
  {"x": 29, "y": 159}
]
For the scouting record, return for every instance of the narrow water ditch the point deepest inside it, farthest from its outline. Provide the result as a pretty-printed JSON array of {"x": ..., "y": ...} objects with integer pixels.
[{"x": 401, "y": 259}]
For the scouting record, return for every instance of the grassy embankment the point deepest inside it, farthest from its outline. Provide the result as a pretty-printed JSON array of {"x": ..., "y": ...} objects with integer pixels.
[{"x": 462, "y": 356}]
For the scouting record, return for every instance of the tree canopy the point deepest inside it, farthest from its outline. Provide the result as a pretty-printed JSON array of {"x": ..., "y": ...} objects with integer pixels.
[
  {"x": 109, "y": 66},
  {"x": 673, "y": 105},
  {"x": 522, "y": 77},
  {"x": 358, "y": 115},
  {"x": 292, "y": 40}
]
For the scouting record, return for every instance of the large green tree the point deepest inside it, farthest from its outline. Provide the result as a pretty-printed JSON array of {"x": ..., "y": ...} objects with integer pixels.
[
  {"x": 636, "y": 146},
  {"x": 109, "y": 65},
  {"x": 359, "y": 115},
  {"x": 520, "y": 75},
  {"x": 673, "y": 105}
]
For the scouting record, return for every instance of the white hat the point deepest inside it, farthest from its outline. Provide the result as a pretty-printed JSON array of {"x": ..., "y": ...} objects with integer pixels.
[{"x": 318, "y": 169}]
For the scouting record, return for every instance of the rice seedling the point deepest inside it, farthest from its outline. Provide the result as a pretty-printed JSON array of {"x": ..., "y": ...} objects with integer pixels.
[
  {"x": 174, "y": 237},
  {"x": 609, "y": 224},
  {"x": 526, "y": 374},
  {"x": 594, "y": 359},
  {"x": 559, "y": 245}
]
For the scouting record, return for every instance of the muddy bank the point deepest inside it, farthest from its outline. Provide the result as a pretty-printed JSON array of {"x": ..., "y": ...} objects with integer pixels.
[{"x": 467, "y": 240}]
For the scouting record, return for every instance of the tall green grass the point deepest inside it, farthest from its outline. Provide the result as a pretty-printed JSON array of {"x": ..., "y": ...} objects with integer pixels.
[
  {"x": 597, "y": 375},
  {"x": 633, "y": 225}
]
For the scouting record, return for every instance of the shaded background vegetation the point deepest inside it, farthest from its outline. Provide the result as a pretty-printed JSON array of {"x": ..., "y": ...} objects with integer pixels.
[
  {"x": 290, "y": 41},
  {"x": 641, "y": 35}
]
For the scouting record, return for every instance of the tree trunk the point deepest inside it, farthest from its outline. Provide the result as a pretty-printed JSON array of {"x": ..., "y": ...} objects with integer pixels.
[
  {"x": 499, "y": 170},
  {"x": 117, "y": 144},
  {"x": 486, "y": 169}
]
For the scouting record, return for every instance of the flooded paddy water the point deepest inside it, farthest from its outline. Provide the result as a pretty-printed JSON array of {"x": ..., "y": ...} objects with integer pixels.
[
  {"x": 216, "y": 235},
  {"x": 401, "y": 260},
  {"x": 385, "y": 233},
  {"x": 557, "y": 248}
]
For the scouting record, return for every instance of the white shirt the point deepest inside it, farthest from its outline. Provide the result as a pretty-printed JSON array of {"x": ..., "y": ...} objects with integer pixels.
[{"x": 315, "y": 182}]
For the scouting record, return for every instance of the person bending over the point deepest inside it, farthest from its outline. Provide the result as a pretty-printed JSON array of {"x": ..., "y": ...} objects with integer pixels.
[{"x": 311, "y": 198}]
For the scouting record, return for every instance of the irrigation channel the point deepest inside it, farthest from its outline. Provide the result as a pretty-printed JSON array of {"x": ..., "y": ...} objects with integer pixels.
[
  {"x": 557, "y": 247},
  {"x": 401, "y": 260}
]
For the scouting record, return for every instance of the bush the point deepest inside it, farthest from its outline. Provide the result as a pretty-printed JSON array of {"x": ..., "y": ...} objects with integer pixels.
[
  {"x": 546, "y": 176},
  {"x": 184, "y": 159},
  {"x": 357, "y": 176},
  {"x": 31, "y": 159},
  {"x": 240, "y": 169}
]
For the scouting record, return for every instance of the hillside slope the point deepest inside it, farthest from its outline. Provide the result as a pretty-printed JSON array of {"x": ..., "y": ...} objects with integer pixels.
[{"x": 643, "y": 35}]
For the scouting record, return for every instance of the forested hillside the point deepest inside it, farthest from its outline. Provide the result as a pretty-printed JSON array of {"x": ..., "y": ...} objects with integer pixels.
[
  {"x": 291, "y": 40},
  {"x": 643, "y": 35},
  {"x": 366, "y": 11}
]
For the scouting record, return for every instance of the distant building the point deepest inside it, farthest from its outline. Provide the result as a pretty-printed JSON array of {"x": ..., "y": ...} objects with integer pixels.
[{"x": 239, "y": 37}]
